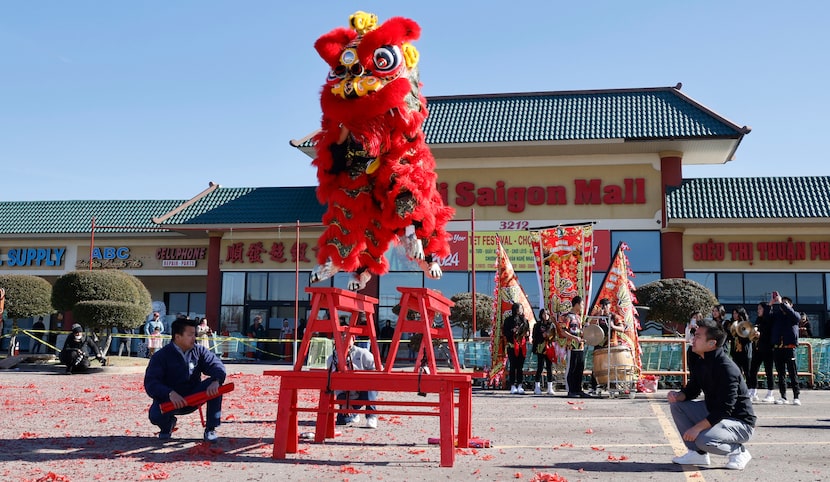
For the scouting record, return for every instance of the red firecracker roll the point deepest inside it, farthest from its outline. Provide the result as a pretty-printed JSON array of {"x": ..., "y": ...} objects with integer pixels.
[{"x": 196, "y": 399}]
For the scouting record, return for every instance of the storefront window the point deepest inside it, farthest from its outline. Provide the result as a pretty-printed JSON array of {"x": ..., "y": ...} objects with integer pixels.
[
  {"x": 759, "y": 286},
  {"x": 645, "y": 248},
  {"x": 730, "y": 288},
  {"x": 233, "y": 288},
  {"x": 706, "y": 279},
  {"x": 281, "y": 286},
  {"x": 231, "y": 319},
  {"x": 257, "y": 286},
  {"x": 810, "y": 290},
  {"x": 388, "y": 287},
  {"x": 450, "y": 284}
]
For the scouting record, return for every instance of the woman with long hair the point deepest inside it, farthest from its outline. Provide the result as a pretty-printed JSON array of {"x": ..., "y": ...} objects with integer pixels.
[{"x": 541, "y": 335}]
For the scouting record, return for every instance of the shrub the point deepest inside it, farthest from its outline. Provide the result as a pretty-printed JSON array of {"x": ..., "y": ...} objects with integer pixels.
[
  {"x": 26, "y": 295},
  {"x": 673, "y": 300},
  {"x": 103, "y": 298},
  {"x": 462, "y": 313}
]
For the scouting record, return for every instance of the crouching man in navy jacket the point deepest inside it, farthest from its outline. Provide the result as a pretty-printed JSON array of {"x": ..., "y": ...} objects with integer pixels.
[{"x": 175, "y": 371}]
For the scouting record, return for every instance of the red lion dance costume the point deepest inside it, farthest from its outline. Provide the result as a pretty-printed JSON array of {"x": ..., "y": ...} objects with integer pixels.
[{"x": 375, "y": 171}]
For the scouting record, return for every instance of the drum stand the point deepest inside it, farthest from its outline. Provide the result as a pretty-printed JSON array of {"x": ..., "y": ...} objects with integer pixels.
[{"x": 624, "y": 379}]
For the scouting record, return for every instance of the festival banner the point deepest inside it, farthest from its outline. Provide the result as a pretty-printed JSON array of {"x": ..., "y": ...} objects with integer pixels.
[
  {"x": 618, "y": 287},
  {"x": 507, "y": 291},
  {"x": 564, "y": 262}
]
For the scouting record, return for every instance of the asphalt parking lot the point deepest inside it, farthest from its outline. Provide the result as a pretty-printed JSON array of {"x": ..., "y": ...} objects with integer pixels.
[{"x": 93, "y": 427}]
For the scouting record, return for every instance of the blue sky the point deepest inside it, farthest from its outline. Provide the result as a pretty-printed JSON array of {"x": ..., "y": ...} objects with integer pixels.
[{"x": 153, "y": 99}]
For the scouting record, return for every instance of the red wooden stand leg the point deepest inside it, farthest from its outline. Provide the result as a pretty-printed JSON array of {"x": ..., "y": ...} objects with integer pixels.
[
  {"x": 465, "y": 414},
  {"x": 447, "y": 411},
  {"x": 285, "y": 434}
]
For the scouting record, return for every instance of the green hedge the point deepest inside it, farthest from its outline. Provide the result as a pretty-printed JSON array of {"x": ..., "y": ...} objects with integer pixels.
[{"x": 26, "y": 295}]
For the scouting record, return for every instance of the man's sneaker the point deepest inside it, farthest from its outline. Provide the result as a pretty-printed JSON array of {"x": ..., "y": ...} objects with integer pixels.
[
  {"x": 769, "y": 399},
  {"x": 692, "y": 458},
  {"x": 782, "y": 401},
  {"x": 537, "y": 390},
  {"x": 513, "y": 389},
  {"x": 371, "y": 422},
  {"x": 165, "y": 435},
  {"x": 520, "y": 390},
  {"x": 739, "y": 460},
  {"x": 210, "y": 436},
  {"x": 797, "y": 402},
  {"x": 346, "y": 420},
  {"x": 755, "y": 399}
]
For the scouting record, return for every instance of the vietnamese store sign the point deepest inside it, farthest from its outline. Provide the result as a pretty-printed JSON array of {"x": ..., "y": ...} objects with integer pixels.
[
  {"x": 787, "y": 250},
  {"x": 32, "y": 257}
]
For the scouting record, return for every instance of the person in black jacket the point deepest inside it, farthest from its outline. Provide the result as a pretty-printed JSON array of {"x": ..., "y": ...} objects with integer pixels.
[
  {"x": 784, "y": 341},
  {"x": 516, "y": 330},
  {"x": 543, "y": 332},
  {"x": 761, "y": 354},
  {"x": 77, "y": 349},
  {"x": 724, "y": 421}
]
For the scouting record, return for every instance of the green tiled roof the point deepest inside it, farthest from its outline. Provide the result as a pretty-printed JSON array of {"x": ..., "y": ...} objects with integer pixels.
[
  {"x": 67, "y": 217},
  {"x": 750, "y": 197},
  {"x": 631, "y": 114},
  {"x": 250, "y": 205}
]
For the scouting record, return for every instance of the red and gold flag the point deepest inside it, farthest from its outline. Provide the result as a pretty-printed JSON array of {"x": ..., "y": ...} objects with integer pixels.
[
  {"x": 507, "y": 291},
  {"x": 564, "y": 262},
  {"x": 618, "y": 287}
]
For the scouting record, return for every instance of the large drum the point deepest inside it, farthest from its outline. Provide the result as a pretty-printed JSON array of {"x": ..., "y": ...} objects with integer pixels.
[{"x": 616, "y": 362}]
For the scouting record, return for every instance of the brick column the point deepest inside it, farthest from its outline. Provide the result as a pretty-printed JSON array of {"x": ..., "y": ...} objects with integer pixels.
[
  {"x": 671, "y": 240},
  {"x": 213, "y": 295}
]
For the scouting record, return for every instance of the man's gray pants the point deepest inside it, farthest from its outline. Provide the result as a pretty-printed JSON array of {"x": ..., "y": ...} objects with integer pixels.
[{"x": 725, "y": 437}]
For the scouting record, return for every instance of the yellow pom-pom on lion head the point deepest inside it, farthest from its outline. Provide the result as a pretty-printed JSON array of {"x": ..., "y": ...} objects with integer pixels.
[
  {"x": 363, "y": 22},
  {"x": 410, "y": 55}
]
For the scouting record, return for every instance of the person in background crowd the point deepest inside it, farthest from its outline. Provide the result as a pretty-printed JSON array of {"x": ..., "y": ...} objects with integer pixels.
[
  {"x": 149, "y": 330},
  {"x": 694, "y": 318},
  {"x": 154, "y": 342},
  {"x": 570, "y": 329},
  {"x": 175, "y": 372},
  {"x": 719, "y": 315},
  {"x": 740, "y": 348},
  {"x": 386, "y": 334},
  {"x": 724, "y": 421},
  {"x": 516, "y": 330},
  {"x": 357, "y": 358},
  {"x": 124, "y": 341},
  {"x": 543, "y": 333},
  {"x": 38, "y": 335},
  {"x": 258, "y": 331},
  {"x": 804, "y": 328},
  {"x": 761, "y": 354},
  {"x": 301, "y": 328},
  {"x": 77, "y": 350},
  {"x": 203, "y": 333},
  {"x": 784, "y": 341}
]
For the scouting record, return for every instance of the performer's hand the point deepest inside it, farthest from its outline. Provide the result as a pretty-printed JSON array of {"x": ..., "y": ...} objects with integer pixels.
[
  {"x": 177, "y": 400},
  {"x": 674, "y": 397},
  {"x": 212, "y": 389}
]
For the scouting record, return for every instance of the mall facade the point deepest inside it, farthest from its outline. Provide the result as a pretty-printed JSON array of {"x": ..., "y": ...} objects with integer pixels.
[{"x": 507, "y": 163}]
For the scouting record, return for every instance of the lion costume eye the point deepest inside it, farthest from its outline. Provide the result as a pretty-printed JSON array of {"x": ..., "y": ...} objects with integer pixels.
[
  {"x": 337, "y": 73},
  {"x": 387, "y": 59}
]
